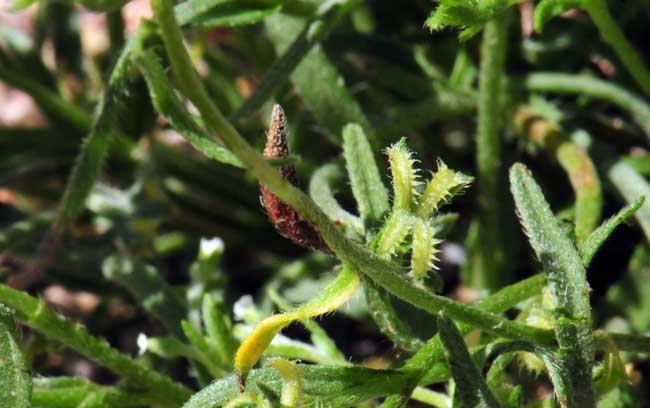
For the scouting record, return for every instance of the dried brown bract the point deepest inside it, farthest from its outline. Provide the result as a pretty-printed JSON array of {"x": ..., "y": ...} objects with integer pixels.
[{"x": 284, "y": 217}]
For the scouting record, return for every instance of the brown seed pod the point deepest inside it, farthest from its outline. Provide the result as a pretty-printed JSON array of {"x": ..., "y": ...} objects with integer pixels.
[{"x": 285, "y": 218}]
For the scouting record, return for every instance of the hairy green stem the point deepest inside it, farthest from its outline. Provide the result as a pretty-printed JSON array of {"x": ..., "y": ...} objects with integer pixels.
[{"x": 487, "y": 262}]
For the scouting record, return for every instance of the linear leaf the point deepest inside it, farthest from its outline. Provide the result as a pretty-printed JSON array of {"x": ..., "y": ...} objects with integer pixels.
[
  {"x": 567, "y": 280},
  {"x": 318, "y": 81},
  {"x": 94, "y": 148},
  {"x": 146, "y": 285},
  {"x": 320, "y": 190},
  {"x": 593, "y": 242},
  {"x": 367, "y": 187},
  {"x": 16, "y": 387},
  {"x": 631, "y": 185},
  {"x": 167, "y": 103},
  {"x": 278, "y": 73},
  {"x": 470, "y": 383},
  {"x": 339, "y": 291}
]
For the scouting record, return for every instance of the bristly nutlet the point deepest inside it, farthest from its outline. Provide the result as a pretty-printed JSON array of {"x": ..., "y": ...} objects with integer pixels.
[{"x": 285, "y": 218}]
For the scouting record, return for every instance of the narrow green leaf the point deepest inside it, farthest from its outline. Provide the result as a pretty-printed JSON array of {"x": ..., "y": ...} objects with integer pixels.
[
  {"x": 60, "y": 392},
  {"x": 210, "y": 355},
  {"x": 167, "y": 103},
  {"x": 16, "y": 381},
  {"x": 312, "y": 34},
  {"x": 593, "y": 242},
  {"x": 487, "y": 266},
  {"x": 94, "y": 148},
  {"x": 631, "y": 185},
  {"x": 219, "y": 328},
  {"x": 149, "y": 289},
  {"x": 318, "y": 81},
  {"x": 367, "y": 187},
  {"x": 567, "y": 280},
  {"x": 320, "y": 190},
  {"x": 554, "y": 249},
  {"x": 168, "y": 348},
  {"x": 470, "y": 16},
  {"x": 469, "y": 382}
]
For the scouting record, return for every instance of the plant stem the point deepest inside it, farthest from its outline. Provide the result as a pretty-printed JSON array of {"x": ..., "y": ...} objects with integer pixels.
[
  {"x": 487, "y": 269},
  {"x": 614, "y": 36},
  {"x": 35, "y": 314}
]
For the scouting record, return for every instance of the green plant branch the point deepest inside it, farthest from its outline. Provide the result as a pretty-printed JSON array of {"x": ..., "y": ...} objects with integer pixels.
[
  {"x": 33, "y": 313},
  {"x": 487, "y": 267},
  {"x": 432, "y": 352}
]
